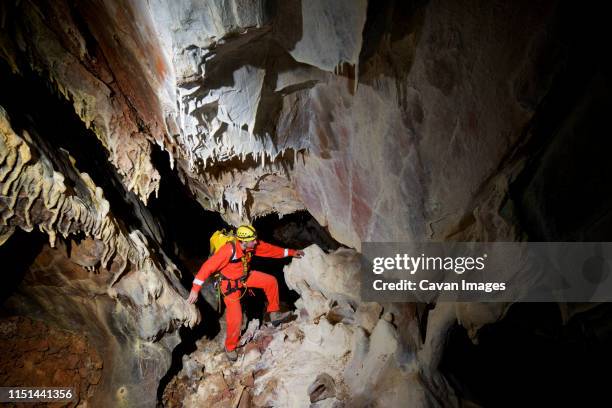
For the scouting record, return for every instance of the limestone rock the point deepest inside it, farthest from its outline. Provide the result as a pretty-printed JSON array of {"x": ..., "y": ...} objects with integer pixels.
[
  {"x": 387, "y": 122},
  {"x": 368, "y": 314},
  {"x": 335, "y": 275},
  {"x": 331, "y": 33},
  {"x": 138, "y": 296},
  {"x": 303, "y": 101},
  {"x": 365, "y": 369},
  {"x": 322, "y": 388},
  {"x": 341, "y": 313}
]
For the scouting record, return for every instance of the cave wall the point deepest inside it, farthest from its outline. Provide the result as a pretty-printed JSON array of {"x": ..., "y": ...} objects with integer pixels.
[
  {"x": 112, "y": 284},
  {"x": 36, "y": 355},
  {"x": 384, "y": 130},
  {"x": 92, "y": 57},
  {"x": 389, "y": 120}
]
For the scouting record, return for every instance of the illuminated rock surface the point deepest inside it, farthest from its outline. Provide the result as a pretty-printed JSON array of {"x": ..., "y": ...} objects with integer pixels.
[{"x": 121, "y": 121}]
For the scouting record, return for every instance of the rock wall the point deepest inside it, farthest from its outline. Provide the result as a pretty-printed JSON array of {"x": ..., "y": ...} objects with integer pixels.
[
  {"x": 93, "y": 56},
  {"x": 130, "y": 302},
  {"x": 386, "y": 121},
  {"x": 35, "y": 355},
  {"x": 388, "y": 143},
  {"x": 384, "y": 130}
]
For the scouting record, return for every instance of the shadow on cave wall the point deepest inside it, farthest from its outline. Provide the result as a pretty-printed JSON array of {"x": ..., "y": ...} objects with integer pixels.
[
  {"x": 17, "y": 255},
  {"x": 387, "y": 46},
  {"x": 532, "y": 357},
  {"x": 564, "y": 192}
]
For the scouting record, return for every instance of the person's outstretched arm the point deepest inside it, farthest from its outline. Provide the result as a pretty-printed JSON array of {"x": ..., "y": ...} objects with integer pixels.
[
  {"x": 216, "y": 262},
  {"x": 266, "y": 250}
]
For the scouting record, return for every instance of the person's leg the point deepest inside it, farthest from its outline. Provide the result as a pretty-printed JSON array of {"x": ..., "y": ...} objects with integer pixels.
[
  {"x": 233, "y": 319},
  {"x": 269, "y": 285}
]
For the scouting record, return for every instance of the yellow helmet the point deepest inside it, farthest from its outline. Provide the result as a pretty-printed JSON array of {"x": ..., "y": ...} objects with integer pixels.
[{"x": 246, "y": 233}]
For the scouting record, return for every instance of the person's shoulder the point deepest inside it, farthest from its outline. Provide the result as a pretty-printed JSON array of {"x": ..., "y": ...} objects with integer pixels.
[{"x": 227, "y": 248}]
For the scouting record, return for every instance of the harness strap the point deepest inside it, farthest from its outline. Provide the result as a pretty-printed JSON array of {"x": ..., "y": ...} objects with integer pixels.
[
  {"x": 233, "y": 258},
  {"x": 233, "y": 289},
  {"x": 246, "y": 260},
  {"x": 236, "y": 287}
]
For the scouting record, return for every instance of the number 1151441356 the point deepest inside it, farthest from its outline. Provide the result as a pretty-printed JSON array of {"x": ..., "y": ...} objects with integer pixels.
[{"x": 36, "y": 394}]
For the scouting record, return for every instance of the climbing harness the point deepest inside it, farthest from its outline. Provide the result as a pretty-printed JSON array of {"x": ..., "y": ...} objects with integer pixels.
[
  {"x": 239, "y": 283},
  {"x": 230, "y": 290}
]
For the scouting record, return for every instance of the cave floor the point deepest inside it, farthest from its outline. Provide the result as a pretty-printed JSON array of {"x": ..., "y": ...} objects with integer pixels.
[{"x": 271, "y": 360}]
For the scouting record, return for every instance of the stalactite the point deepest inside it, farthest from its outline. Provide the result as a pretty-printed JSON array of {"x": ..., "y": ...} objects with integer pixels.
[{"x": 33, "y": 180}]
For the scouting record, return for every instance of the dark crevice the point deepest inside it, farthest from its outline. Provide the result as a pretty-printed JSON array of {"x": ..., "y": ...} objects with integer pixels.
[
  {"x": 562, "y": 193},
  {"x": 296, "y": 230},
  {"x": 187, "y": 226},
  {"x": 531, "y": 358},
  {"x": 189, "y": 337},
  {"x": 91, "y": 45},
  {"x": 388, "y": 24},
  {"x": 187, "y": 229},
  {"x": 18, "y": 254}
]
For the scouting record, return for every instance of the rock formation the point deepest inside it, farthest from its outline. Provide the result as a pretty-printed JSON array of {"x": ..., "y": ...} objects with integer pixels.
[
  {"x": 109, "y": 284},
  {"x": 386, "y": 121}
]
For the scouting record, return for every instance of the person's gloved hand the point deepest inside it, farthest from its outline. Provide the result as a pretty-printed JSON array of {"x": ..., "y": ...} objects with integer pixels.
[
  {"x": 193, "y": 297},
  {"x": 298, "y": 254}
]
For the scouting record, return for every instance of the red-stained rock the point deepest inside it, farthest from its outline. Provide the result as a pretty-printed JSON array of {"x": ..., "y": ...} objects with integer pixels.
[{"x": 34, "y": 363}]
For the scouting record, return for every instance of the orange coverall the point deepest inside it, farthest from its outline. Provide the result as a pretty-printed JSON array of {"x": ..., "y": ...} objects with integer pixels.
[{"x": 220, "y": 261}]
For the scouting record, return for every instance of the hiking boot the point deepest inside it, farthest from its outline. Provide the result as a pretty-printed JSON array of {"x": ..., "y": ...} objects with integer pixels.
[
  {"x": 231, "y": 355},
  {"x": 277, "y": 318}
]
